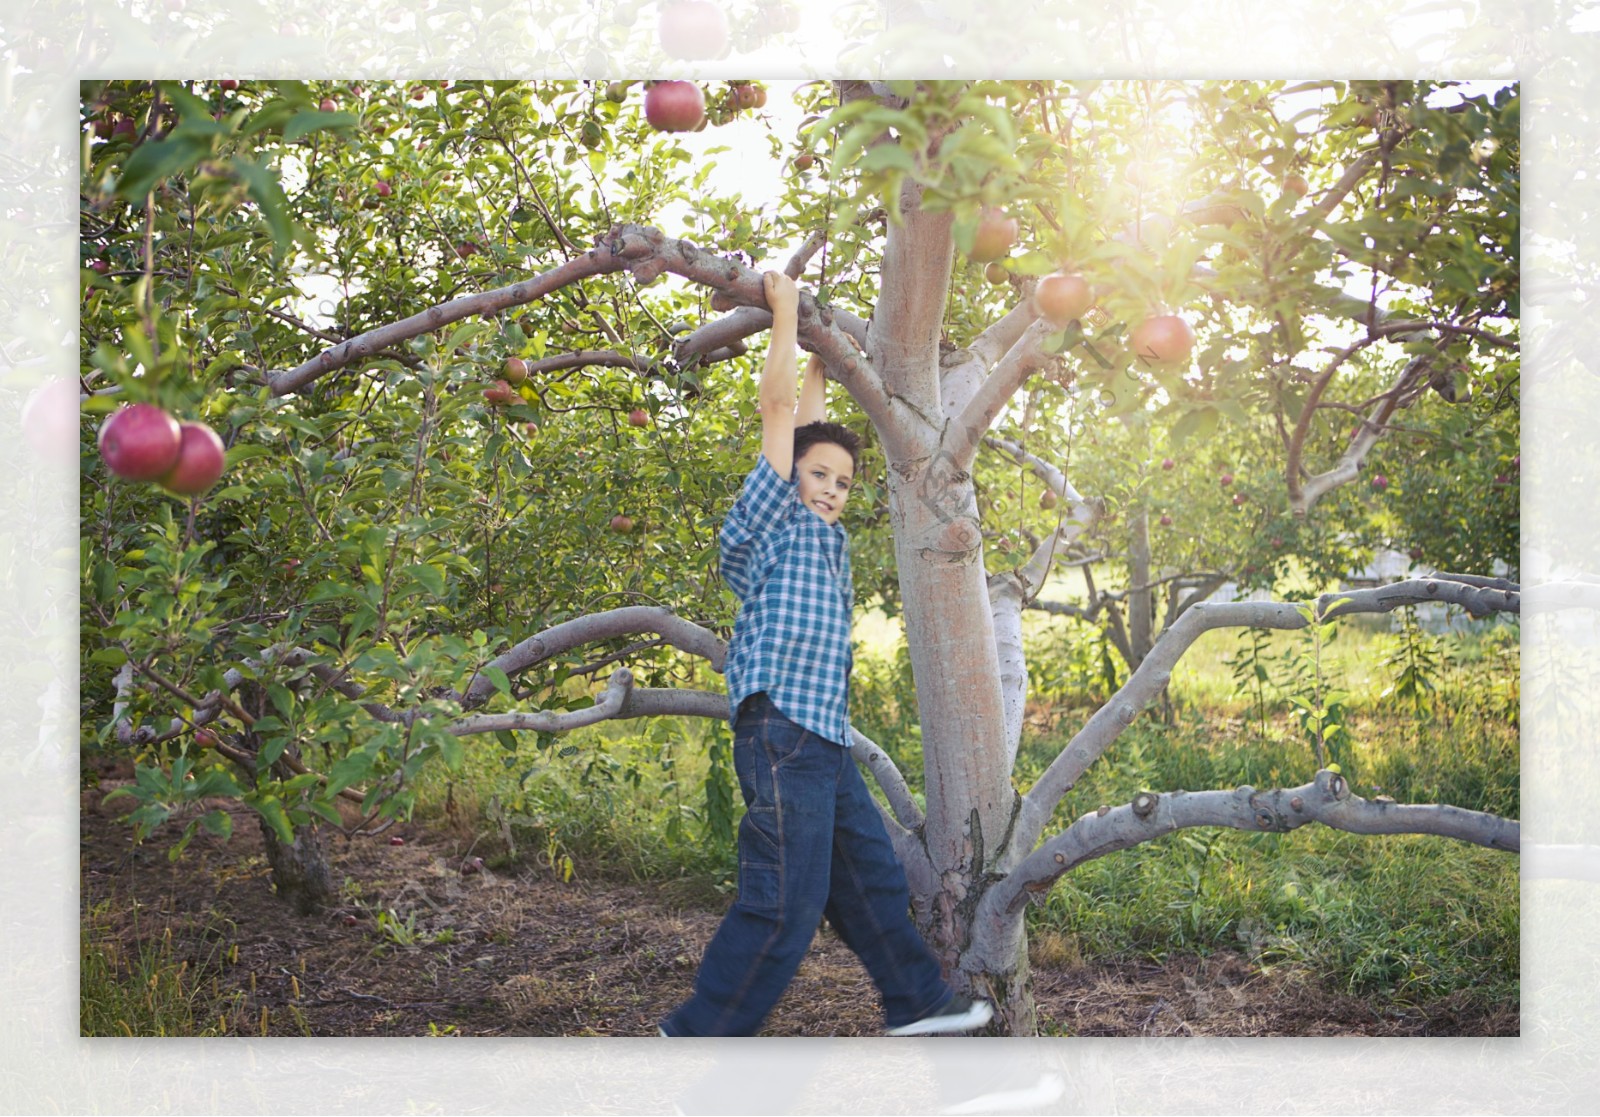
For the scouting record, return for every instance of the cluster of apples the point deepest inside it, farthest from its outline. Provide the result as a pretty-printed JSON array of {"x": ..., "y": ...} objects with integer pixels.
[
  {"x": 1063, "y": 297},
  {"x": 141, "y": 442}
]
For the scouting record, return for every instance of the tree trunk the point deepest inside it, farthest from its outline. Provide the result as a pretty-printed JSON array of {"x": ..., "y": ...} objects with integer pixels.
[
  {"x": 300, "y": 873},
  {"x": 970, "y": 802}
]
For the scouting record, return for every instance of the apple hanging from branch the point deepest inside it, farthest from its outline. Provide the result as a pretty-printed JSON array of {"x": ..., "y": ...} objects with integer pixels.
[
  {"x": 140, "y": 442},
  {"x": 1164, "y": 339},
  {"x": 1061, "y": 298},
  {"x": 201, "y": 460},
  {"x": 674, "y": 106},
  {"x": 995, "y": 235}
]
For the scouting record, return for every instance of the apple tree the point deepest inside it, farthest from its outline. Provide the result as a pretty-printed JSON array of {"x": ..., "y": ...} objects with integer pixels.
[{"x": 490, "y": 462}]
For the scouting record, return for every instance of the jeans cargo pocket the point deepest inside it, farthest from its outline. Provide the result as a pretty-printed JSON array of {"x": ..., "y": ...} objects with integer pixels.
[{"x": 760, "y": 872}]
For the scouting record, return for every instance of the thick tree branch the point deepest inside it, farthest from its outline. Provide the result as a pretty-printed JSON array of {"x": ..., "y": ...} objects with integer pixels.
[
  {"x": 646, "y": 253},
  {"x": 608, "y": 705},
  {"x": 1147, "y": 682},
  {"x": 874, "y": 760},
  {"x": 1327, "y": 799},
  {"x": 596, "y": 261},
  {"x": 629, "y": 621},
  {"x": 1079, "y": 517},
  {"x": 586, "y": 358},
  {"x": 1353, "y": 174},
  {"x": 1024, "y": 357},
  {"x": 729, "y": 331}
]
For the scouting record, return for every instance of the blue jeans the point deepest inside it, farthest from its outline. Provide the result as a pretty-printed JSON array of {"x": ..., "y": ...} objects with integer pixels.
[{"x": 811, "y": 844}]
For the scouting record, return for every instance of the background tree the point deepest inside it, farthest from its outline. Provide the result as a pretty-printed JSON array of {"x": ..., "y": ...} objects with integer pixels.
[{"x": 406, "y": 554}]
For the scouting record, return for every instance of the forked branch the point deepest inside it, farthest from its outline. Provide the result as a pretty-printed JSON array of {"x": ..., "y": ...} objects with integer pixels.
[
  {"x": 1151, "y": 677},
  {"x": 1327, "y": 799}
]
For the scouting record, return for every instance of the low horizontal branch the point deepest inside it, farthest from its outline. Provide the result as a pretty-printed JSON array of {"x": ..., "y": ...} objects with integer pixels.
[
  {"x": 631, "y": 620},
  {"x": 1327, "y": 800},
  {"x": 1146, "y": 683}
]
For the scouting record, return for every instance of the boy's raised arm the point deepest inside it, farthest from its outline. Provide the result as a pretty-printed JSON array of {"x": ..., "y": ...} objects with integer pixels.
[
  {"x": 813, "y": 393},
  {"x": 779, "y": 376}
]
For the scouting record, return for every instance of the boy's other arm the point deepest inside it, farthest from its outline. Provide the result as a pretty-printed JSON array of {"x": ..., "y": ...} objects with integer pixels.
[
  {"x": 813, "y": 406},
  {"x": 779, "y": 376}
]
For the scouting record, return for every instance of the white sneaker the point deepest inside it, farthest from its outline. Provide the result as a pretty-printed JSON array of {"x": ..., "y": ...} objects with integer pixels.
[{"x": 959, "y": 1014}]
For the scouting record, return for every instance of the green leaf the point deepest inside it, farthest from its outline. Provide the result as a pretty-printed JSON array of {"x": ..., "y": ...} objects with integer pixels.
[
  {"x": 282, "y": 700},
  {"x": 218, "y": 822},
  {"x": 501, "y": 683},
  {"x": 305, "y": 123},
  {"x": 431, "y": 577},
  {"x": 268, "y": 193},
  {"x": 110, "y": 657},
  {"x": 277, "y": 818},
  {"x": 156, "y": 160},
  {"x": 454, "y": 753},
  {"x": 350, "y": 769},
  {"x": 1200, "y": 423}
]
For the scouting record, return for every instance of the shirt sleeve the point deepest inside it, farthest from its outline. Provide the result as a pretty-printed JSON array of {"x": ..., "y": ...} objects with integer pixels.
[{"x": 763, "y": 504}]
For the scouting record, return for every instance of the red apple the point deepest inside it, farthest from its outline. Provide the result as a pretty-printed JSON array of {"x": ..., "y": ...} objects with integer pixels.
[
  {"x": 1062, "y": 298},
  {"x": 621, "y": 524},
  {"x": 1380, "y": 482},
  {"x": 1225, "y": 480},
  {"x": 466, "y": 248},
  {"x": 1416, "y": 554},
  {"x": 1166, "y": 520},
  {"x": 98, "y": 265},
  {"x": 123, "y": 127},
  {"x": 206, "y": 738},
  {"x": 804, "y": 161},
  {"x": 329, "y": 105},
  {"x": 200, "y": 461},
  {"x": 995, "y": 235},
  {"x": 674, "y": 106},
  {"x": 1164, "y": 339},
  {"x": 500, "y": 393},
  {"x": 382, "y": 188},
  {"x": 140, "y": 442},
  {"x": 1238, "y": 498},
  {"x": 1168, "y": 463},
  {"x": 516, "y": 370},
  {"x": 693, "y": 29},
  {"x": 229, "y": 83},
  {"x": 1048, "y": 500},
  {"x": 530, "y": 429},
  {"x": 638, "y": 417},
  {"x": 1296, "y": 185},
  {"x": 397, "y": 841}
]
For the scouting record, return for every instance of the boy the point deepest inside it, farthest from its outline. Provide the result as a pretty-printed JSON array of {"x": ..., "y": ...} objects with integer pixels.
[{"x": 811, "y": 842}]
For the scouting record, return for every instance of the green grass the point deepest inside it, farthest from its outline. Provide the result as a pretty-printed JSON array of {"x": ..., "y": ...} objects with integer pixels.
[
  {"x": 141, "y": 988},
  {"x": 1403, "y": 918}
]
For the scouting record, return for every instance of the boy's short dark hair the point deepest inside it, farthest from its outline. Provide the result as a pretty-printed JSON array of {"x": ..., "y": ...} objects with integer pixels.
[{"x": 812, "y": 433}]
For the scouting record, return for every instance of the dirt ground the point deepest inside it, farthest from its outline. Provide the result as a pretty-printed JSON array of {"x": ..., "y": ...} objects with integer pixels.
[{"x": 517, "y": 952}]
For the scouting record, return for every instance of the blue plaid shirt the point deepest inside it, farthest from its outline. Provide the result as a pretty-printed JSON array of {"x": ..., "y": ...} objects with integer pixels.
[{"x": 791, "y": 573}]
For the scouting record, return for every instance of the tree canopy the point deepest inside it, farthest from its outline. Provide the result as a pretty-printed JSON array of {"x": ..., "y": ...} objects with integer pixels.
[{"x": 406, "y": 557}]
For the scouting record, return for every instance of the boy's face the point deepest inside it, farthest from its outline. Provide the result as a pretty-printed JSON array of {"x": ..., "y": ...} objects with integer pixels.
[{"x": 824, "y": 475}]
